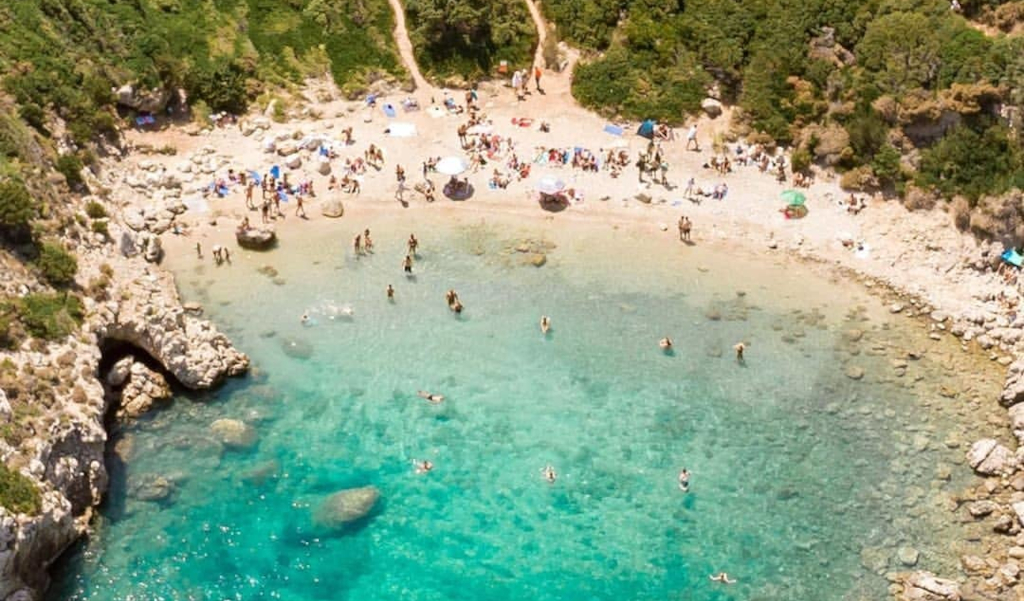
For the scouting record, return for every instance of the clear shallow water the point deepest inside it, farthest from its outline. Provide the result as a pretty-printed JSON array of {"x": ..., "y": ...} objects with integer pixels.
[{"x": 804, "y": 481}]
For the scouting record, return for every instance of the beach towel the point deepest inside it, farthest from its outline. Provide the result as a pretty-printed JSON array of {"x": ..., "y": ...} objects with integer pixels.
[
  {"x": 324, "y": 152},
  {"x": 399, "y": 129},
  {"x": 255, "y": 177},
  {"x": 389, "y": 110},
  {"x": 282, "y": 195},
  {"x": 614, "y": 130},
  {"x": 222, "y": 191},
  {"x": 275, "y": 171}
]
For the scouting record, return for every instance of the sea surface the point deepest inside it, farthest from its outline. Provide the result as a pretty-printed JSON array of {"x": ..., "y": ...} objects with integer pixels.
[{"x": 805, "y": 482}]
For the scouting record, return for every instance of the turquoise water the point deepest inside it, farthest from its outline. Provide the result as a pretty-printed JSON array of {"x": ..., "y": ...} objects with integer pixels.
[{"x": 796, "y": 468}]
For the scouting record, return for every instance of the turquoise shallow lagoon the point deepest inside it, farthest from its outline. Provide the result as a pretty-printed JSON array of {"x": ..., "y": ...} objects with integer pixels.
[{"x": 804, "y": 480}]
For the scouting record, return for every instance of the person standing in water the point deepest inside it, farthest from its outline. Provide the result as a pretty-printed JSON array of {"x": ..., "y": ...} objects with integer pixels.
[
  {"x": 357, "y": 244},
  {"x": 549, "y": 474},
  {"x": 413, "y": 244},
  {"x": 739, "y": 348},
  {"x": 545, "y": 324},
  {"x": 367, "y": 242},
  {"x": 684, "y": 480},
  {"x": 407, "y": 265},
  {"x": 665, "y": 344},
  {"x": 391, "y": 292}
]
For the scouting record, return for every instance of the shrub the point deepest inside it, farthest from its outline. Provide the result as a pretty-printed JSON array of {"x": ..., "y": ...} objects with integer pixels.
[
  {"x": 801, "y": 160},
  {"x": 100, "y": 227},
  {"x": 95, "y": 210},
  {"x": 973, "y": 163},
  {"x": 50, "y": 316},
  {"x": 17, "y": 493},
  {"x": 71, "y": 167},
  {"x": 16, "y": 206},
  {"x": 886, "y": 165},
  {"x": 57, "y": 265}
]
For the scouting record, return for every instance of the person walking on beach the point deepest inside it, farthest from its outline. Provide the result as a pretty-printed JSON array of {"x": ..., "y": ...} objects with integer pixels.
[
  {"x": 300, "y": 210},
  {"x": 407, "y": 265},
  {"x": 690, "y": 185},
  {"x": 463, "y": 129},
  {"x": 536, "y": 77},
  {"x": 691, "y": 136},
  {"x": 199, "y": 250},
  {"x": 685, "y": 225},
  {"x": 265, "y": 211},
  {"x": 248, "y": 196},
  {"x": 413, "y": 244}
]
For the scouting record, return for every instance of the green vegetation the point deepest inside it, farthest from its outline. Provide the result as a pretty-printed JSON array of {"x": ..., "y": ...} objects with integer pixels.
[
  {"x": 95, "y": 210},
  {"x": 57, "y": 266},
  {"x": 16, "y": 207},
  {"x": 469, "y": 38},
  {"x": 50, "y": 316},
  {"x": 17, "y": 493},
  {"x": 874, "y": 68}
]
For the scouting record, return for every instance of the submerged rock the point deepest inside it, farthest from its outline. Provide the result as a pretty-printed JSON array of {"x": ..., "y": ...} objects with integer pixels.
[
  {"x": 297, "y": 348},
  {"x": 234, "y": 434},
  {"x": 346, "y": 506}
]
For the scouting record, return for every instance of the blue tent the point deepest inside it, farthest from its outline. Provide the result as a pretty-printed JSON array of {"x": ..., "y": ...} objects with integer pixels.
[
  {"x": 614, "y": 130},
  {"x": 646, "y": 129},
  {"x": 389, "y": 110},
  {"x": 1012, "y": 257}
]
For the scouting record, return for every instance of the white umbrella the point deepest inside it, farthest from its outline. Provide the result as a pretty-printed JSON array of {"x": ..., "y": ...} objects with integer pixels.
[
  {"x": 451, "y": 166},
  {"x": 550, "y": 185}
]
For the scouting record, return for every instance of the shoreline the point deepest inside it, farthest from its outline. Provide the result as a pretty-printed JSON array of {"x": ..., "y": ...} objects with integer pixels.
[{"x": 918, "y": 277}]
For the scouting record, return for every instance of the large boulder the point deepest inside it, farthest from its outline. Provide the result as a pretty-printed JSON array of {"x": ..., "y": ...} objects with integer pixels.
[
  {"x": 989, "y": 458},
  {"x": 234, "y": 434},
  {"x": 146, "y": 101},
  {"x": 332, "y": 207},
  {"x": 287, "y": 148},
  {"x": 323, "y": 166},
  {"x": 712, "y": 107},
  {"x": 143, "y": 388},
  {"x": 256, "y": 238},
  {"x": 346, "y": 506},
  {"x": 925, "y": 586}
]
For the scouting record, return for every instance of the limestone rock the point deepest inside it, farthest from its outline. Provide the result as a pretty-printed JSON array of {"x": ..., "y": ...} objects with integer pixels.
[
  {"x": 153, "y": 488},
  {"x": 332, "y": 207},
  {"x": 293, "y": 162},
  {"x": 1013, "y": 389},
  {"x": 287, "y": 148},
  {"x": 1018, "y": 509},
  {"x": 854, "y": 372},
  {"x": 119, "y": 373},
  {"x": 925, "y": 586},
  {"x": 143, "y": 388},
  {"x": 256, "y": 238},
  {"x": 151, "y": 101},
  {"x": 982, "y": 508},
  {"x": 346, "y": 506},
  {"x": 988, "y": 457},
  {"x": 323, "y": 166},
  {"x": 908, "y": 556},
  {"x": 711, "y": 107},
  {"x": 234, "y": 434}
]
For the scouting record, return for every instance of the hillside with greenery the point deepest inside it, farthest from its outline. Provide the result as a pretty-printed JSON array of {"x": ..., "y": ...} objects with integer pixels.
[
  {"x": 854, "y": 85},
  {"x": 469, "y": 38}
]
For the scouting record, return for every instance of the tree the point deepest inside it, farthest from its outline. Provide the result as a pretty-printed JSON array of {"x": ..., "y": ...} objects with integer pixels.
[{"x": 901, "y": 52}]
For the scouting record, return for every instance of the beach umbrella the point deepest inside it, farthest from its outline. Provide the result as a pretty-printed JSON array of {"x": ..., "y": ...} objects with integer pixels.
[
  {"x": 451, "y": 166},
  {"x": 794, "y": 198},
  {"x": 550, "y": 185}
]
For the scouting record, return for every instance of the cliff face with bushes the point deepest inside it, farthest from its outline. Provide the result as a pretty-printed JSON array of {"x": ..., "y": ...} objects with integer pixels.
[{"x": 895, "y": 94}]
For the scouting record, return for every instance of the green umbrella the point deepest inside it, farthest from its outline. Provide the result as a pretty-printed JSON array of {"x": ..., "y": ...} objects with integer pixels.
[{"x": 794, "y": 198}]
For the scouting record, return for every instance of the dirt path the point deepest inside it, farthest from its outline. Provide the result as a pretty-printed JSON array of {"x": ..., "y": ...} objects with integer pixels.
[
  {"x": 542, "y": 32},
  {"x": 405, "y": 48}
]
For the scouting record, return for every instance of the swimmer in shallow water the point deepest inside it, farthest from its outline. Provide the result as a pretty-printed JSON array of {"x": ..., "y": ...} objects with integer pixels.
[
  {"x": 684, "y": 480},
  {"x": 722, "y": 577},
  {"x": 305, "y": 319},
  {"x": 665, "y": 344},
  {"x": 739, "y": 348},
  {"x": 391, "y": 292},
  {"x": 545, "y": 324},
  {"x": 549, "y": 474},
  {"x": 433, "y": 398},
  {"x": 422, "y": 467}
]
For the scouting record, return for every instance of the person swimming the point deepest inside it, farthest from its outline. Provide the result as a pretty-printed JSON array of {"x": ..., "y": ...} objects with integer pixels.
[
  {"x": 665, "y": 343},
  {"x": 545, "y": 324},
  {"x": 722, "y": 577},
  {"x": 549, "y": 474},
  {"x": 457, "y": 307},
  {"x": 305, "y": 319},
  {"x": 684, "y": 480},
  {"x": 433, "y": 398},
  {"x": 422, "y": 467}
]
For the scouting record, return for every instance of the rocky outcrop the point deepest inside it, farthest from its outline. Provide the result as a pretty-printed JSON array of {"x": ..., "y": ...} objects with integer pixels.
[
  {"x": 256, "y": 238},
  {"x": 144, "y": 101},
  {"x": 925, "y": 586},
  {"x": 1013, "y": 390},
  {"x": 346, "y": 506},
  {"x": 989, "y": 458},
  {"x": 140, "y": 387},
  {"x": 332, "y": 207},
  {"x": 149, "y": 316},
  {"x": 234, "y": 434}
]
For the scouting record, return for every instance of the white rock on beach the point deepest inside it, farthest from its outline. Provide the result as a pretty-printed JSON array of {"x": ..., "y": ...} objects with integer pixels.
[
  {"x": 925, "y": 586},
  {"x": 711, "y": 107},
  {"x": 332, "y": 207},
  {"x": 988, "y": 457}
]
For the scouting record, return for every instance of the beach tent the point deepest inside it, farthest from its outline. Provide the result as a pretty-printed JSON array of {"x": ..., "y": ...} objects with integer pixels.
[
  {"x": 646, "y": 129},
  {"x": 401, "y": 129},
  {"x": 451, "y": 166},
  {"x": 550, "y": 185},
  {"x": 614, "y": 130},
  {"x": 1012, "y": 257},
  {"x": 794, "y": 198}
]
